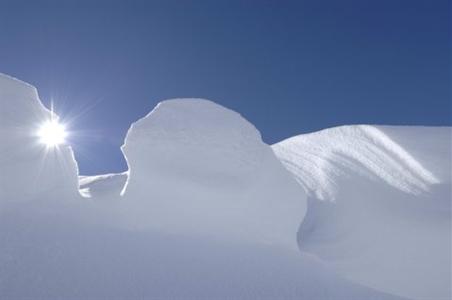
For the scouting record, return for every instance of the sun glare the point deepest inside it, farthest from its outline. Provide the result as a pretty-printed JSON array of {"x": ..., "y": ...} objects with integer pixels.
[{"x": 52, "y": 133}]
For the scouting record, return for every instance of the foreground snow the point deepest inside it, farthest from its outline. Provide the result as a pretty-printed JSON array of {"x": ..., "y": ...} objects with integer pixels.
[{"x": 207, "y": 210}]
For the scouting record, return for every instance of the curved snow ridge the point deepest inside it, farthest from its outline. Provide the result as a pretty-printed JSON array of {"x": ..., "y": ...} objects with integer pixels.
[
  {"x": 320, "y": 159},
  {"x": 199, "y": 168},
  {"x": 198, "y": 137}
]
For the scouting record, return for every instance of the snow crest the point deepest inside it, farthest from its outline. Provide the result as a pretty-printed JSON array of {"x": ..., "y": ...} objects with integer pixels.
[{"x": 320, "y": 159}]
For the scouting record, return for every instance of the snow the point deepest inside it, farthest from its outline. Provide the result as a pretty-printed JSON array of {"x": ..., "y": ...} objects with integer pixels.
[
  {"x": 229, "y": 183},
  {"x": 208, "y": 210},
  {"x": 320, "y": 159},
  {"x": 379, "y": 207},
  {"x": 27, "y": 167},
  {"x": 102, "y": 186}
]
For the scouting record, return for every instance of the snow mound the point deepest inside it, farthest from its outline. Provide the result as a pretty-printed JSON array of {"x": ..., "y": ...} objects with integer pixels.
[
  {"x": 379, "y": 205},
  {"x": 102, "y": 186},
  {"x": 199, "y": 168},
  {"x": 27, "y": 167}
]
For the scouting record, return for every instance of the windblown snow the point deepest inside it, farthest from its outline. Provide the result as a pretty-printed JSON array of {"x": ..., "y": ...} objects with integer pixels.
[
  {"x": 379, "y": 204},
  {"x": 208, "y": 210},
  {"x": 319, "y": 160}
]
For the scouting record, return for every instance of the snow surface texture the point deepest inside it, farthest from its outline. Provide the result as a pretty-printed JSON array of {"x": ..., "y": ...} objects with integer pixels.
[
  {"x": 379, "y": 207},
  {"x": 207, "y": 210}
]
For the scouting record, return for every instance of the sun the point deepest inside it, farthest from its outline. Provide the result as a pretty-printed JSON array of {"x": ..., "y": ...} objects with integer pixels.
[{"x": 52, "y": 133}]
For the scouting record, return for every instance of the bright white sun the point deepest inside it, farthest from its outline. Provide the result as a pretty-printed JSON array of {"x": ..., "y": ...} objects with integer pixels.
[{"x": 52, "y": 133}]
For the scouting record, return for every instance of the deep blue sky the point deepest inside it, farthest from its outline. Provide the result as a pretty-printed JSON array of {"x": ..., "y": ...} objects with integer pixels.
[{"x": 289, "y": 67}]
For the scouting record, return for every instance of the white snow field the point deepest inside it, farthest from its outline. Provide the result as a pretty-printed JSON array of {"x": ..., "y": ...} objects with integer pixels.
[{"x": 208, "y": 211}]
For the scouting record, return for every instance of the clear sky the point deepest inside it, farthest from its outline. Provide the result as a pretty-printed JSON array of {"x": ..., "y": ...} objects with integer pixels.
[{"x": 289, "y": 67}]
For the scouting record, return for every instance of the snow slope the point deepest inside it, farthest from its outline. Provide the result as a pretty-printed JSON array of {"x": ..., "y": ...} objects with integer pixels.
[
  {"x": 379, "y": 207},
  {"x": 52, "y": 256}
]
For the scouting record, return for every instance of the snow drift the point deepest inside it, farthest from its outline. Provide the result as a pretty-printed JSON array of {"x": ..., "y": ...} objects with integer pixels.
[
  {"x": 27, "y": 167},
  {"x": 201, "y": 168},
  {"x": 379, "y": 207}
]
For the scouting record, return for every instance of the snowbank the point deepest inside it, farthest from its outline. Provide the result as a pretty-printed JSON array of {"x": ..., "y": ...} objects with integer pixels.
[
  {"x": 199, "y": 168},
  {"x": 379, "y": 207},
  {"x": 27, "y": 167}
]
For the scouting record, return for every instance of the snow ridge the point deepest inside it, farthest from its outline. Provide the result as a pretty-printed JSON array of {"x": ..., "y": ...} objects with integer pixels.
[{"x": 318, "y": 160}]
